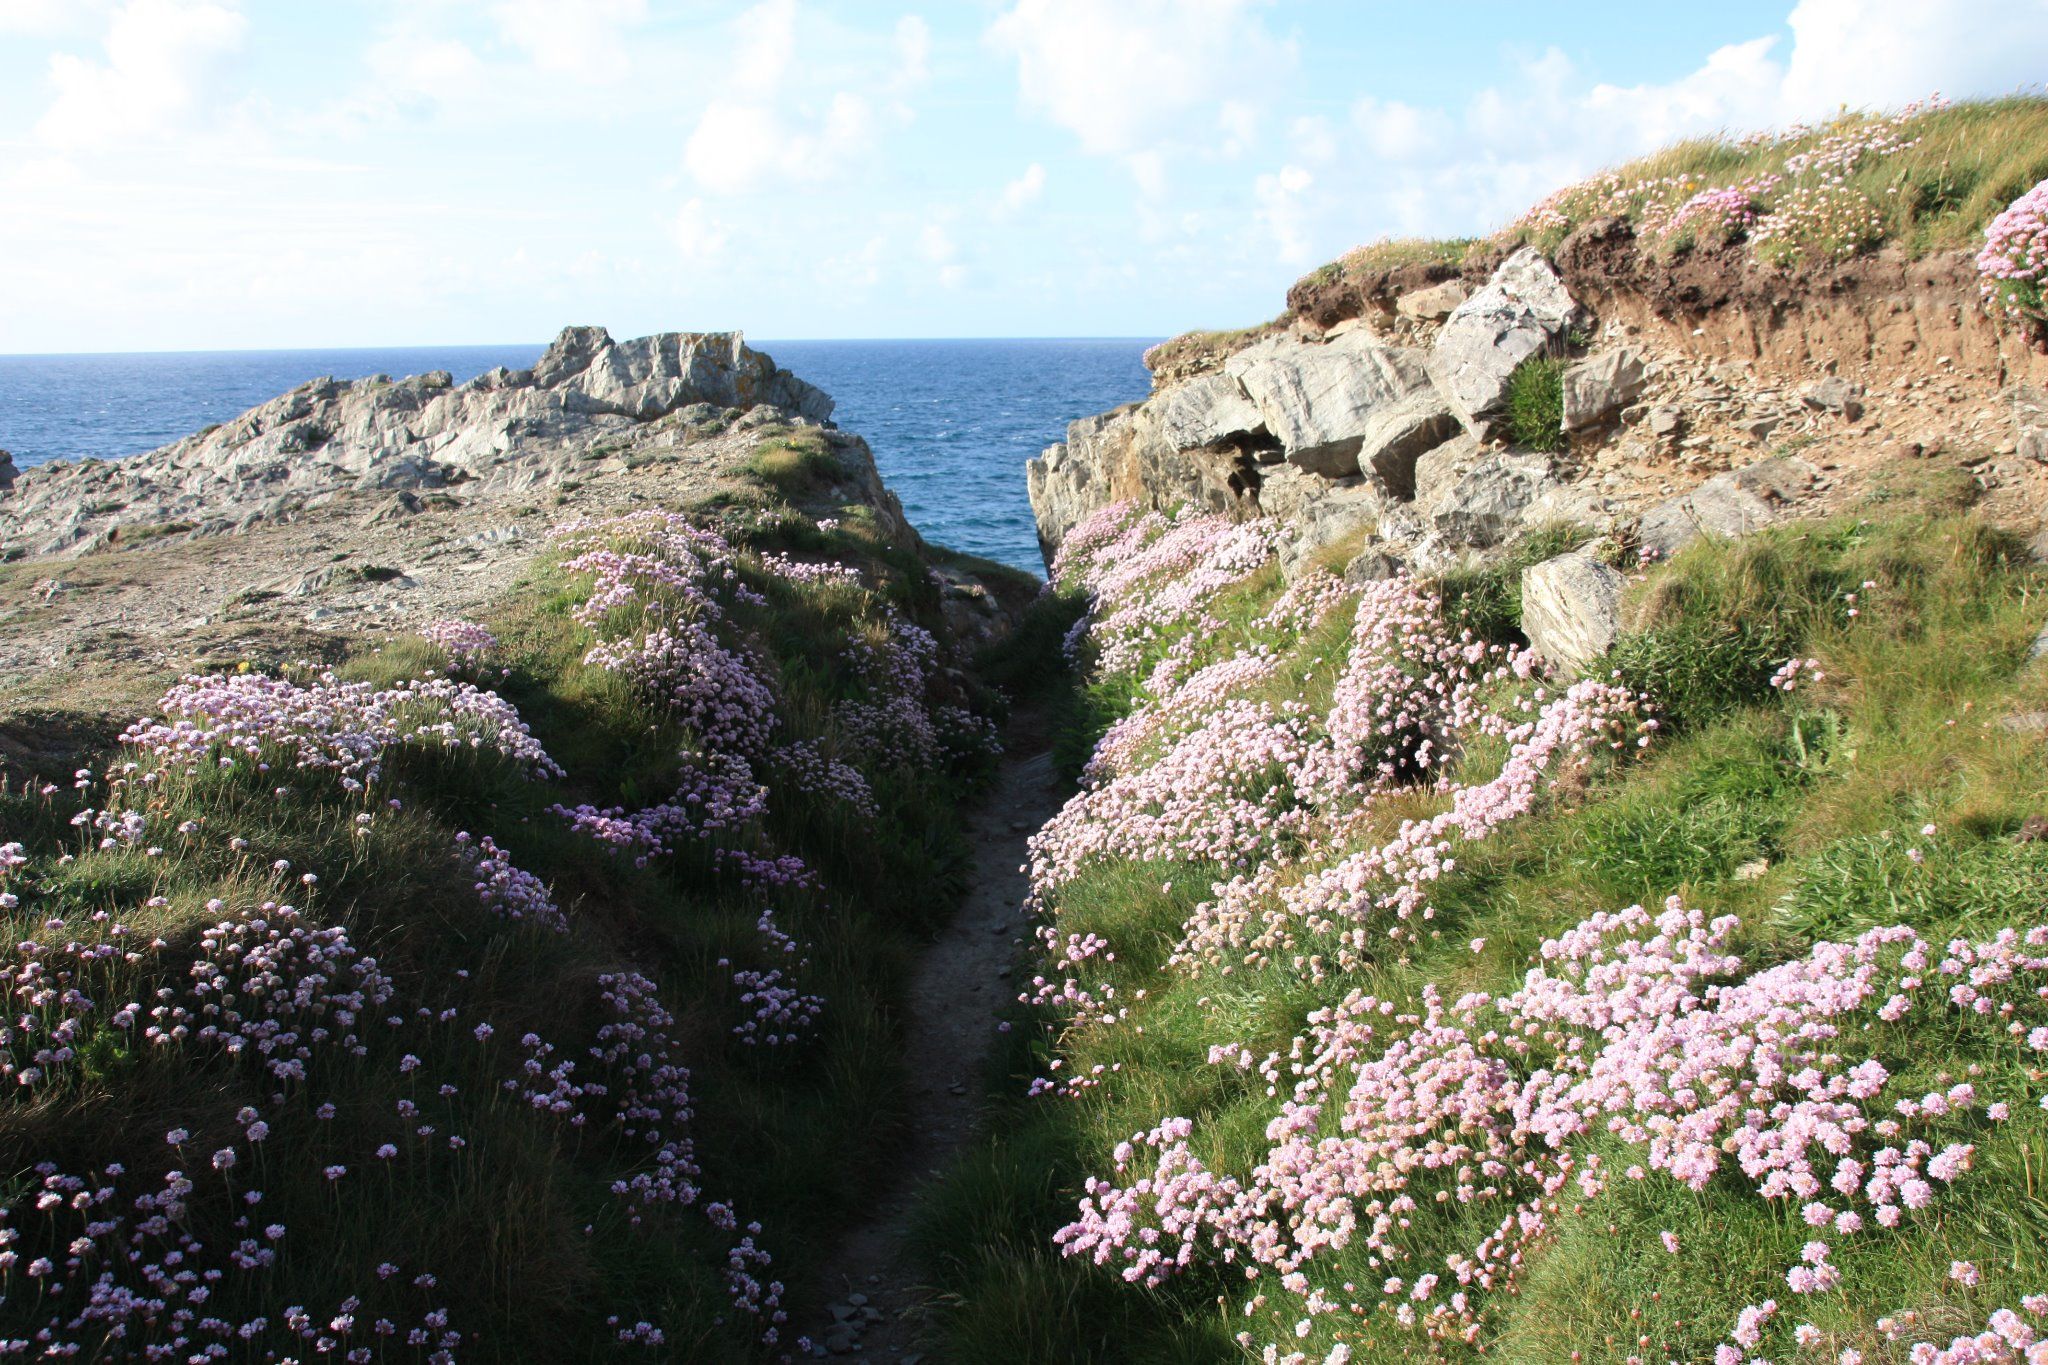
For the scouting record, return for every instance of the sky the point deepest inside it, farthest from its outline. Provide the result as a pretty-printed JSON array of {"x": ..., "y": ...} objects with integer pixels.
[{"x": 220, "y": 174}]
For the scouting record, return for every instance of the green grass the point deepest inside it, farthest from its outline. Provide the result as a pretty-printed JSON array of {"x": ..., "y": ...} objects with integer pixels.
[
  {"x": 1796, "y": 812},
  {"x": 797, "y": 465},
  {"x": 1534, "y": 419},
  {"x": 1967, "y": 162},
  {"x": 530, "y": 1244}
]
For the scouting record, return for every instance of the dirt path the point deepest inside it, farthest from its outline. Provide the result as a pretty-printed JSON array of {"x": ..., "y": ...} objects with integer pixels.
[{"x": 964, "y": 979}]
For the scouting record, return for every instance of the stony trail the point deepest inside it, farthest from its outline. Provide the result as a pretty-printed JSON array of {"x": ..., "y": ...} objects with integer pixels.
[{"x": 868, "y": 1286}]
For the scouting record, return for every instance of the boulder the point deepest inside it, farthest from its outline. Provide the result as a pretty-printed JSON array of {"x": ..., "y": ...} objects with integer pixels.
[
  {"x": 1370, "y": 565},
  {"x": 1396, "y": 437},
  {"x": 1206, "y": 411},
  {"x": 1489, "y": 499},
  {"x": 1523, "y": 310},
  {"x": 1318, "y": 400},
  {"x": 1599, "y": 387},
  {"x": 1571, "y": 609},
  {"x": 1434, "y": 303},
  {"x": 1835, "y": 394},
  {"x": 7, "y": 471},
  {"x": 1728, "y": 505}
]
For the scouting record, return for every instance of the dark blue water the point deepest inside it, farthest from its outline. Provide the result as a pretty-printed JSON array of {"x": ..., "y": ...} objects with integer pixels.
[{"x": 951, "y": 422}]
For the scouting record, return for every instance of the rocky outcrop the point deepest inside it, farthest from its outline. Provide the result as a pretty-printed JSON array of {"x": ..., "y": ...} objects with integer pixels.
[
  {"x": 1319, "y": 402},
  {"x": 1291, "y": 420},
  {"x": 1523, "y": 311},
  {"x": 506, "y": 433}
]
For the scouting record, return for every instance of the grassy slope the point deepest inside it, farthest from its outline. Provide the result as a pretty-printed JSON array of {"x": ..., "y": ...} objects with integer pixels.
[
  {"x": 521, "y": 1228},
  {"x": 1966, "y": 162},
  {"x": 1828, "y": 786}
]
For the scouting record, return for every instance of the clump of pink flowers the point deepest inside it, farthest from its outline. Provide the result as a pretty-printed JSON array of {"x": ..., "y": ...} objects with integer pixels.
[
  {"x": 2013, "y": 262},
  {"x": 465, "y": 642}
]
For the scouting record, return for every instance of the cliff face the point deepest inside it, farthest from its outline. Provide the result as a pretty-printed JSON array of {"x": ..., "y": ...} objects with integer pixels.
[{"x": 1372, "y": 421}]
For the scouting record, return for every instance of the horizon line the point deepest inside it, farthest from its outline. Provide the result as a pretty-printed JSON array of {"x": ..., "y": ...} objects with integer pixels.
[{"x": 543, "y": 345}]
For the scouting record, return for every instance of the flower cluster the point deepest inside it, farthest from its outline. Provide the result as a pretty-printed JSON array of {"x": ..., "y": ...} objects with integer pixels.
[
  {"x": 2013, "y": 263},
  {"x": 257, "y": 721},
  {"x": 506, "y": 890},
  {"x": 1399, "y": 1125},
  {"x": 465, "y": 642},
  {"x": 1804, "y": 211}
]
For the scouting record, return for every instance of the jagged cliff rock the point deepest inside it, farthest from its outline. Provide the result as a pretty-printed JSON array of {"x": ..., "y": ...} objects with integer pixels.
[
  {"x": 503, "y": 434},
  {"x": 1371, "y": 421}
]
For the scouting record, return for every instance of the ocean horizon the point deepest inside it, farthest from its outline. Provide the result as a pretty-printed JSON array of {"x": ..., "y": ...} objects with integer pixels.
[{"x": 951, "y": 419}]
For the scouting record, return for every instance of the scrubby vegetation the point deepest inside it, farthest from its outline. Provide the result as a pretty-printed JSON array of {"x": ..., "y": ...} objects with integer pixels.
[
  {"x": 1534, "y": 418},
  {"x": 1396, "y": 1001},
  {"x": 520, "y": 990},
  {"x": 1927, "y": 178}
]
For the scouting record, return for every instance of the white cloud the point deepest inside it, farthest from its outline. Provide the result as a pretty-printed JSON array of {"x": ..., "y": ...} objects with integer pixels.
[
  {"x": 585, "y": 39},
  {"x": 1022, "y": 191},
  {"x": 753, "y": 134},
  {"x": 1128, "y": 76},
  {"x": 936, "y": 244},
  {"x": 160, "y": 59},
  {"x": 1396, "y": 131},
  {"x": 913, "y": 53},
  {"x": 699, "y": 235},
  {"x": 1886, "y": 52},
  {"x": 45, "y": 16},
  {"x": 409, "y": 67},
  {"x": 1282, "y": 211}
]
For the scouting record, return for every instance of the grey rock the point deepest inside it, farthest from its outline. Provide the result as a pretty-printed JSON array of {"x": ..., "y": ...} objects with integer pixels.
[
  {"x": 1835, "y": 394},
  {"x": 2040, "y": 646},
  {"x": 1520, "y": 312},
  {"x": 1600, "y": 386},
  {"x": 1665, "y": 422},
  {"x": 1124, "y": 454},
  {"x": 2025, "y": 722},
  {"x": 1571, "y": 609},
  {"x": 1489, "y": 500},
  {"x": 1433, "y": 303},
  {"x": 1396, "y": 436},
  {"x": 2029, "y": 420},
  {"x": 1344, "y": 512},
  {"x": 1728, "y": 505},
  {"x": 1371, "y": 565},
  {"x": 1317, "y": 400},
  {"x": 1284, "y": 490},
  {"x": 1205, "y": 411},
  {"x": 504, "y": 433}
]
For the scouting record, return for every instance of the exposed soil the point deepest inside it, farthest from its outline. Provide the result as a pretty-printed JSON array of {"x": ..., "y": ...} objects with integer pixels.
[{"x": 868, "y": 1289}]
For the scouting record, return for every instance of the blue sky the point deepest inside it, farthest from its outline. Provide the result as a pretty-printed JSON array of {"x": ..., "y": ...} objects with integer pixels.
[{"x": 189, "y": 174}]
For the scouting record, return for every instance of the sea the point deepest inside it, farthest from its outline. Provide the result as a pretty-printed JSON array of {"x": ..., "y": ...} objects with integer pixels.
[{"x": 951, "y": 422}]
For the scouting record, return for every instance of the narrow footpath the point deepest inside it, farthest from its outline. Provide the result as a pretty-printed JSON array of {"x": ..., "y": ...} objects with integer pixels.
[{"x": 868, "y": 1286}]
